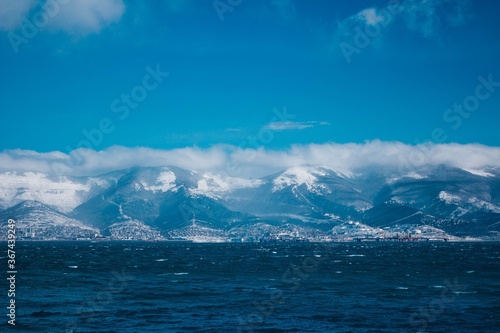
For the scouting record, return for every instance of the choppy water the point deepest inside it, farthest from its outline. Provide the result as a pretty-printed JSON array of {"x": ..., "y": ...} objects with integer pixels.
[{"x": 182, "y": 287}]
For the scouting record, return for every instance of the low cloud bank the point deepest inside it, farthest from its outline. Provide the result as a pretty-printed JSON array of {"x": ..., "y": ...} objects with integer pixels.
[{"x": 237, "y": 162}]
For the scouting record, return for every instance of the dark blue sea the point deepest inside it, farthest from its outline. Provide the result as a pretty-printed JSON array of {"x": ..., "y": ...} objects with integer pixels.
[{"x": 249, "y": 287}]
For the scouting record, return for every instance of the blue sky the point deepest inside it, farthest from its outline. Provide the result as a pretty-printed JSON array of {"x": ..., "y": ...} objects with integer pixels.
[{"x": 270, "y": 73}]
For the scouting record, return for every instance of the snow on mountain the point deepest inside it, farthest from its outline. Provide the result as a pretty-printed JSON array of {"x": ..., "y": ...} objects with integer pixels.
[
  {"x": 136, "y": 194},
  {"x": 304, "y": 194},
  {"x": 465, "y": 200},
  {"x": 320, "y": 182},
  {"x": 151, "y": 202},
  {"x": 409, "y": 175},
  {"x": 481, "y": 204},
  {"x": 36, "y": 219},
  {"x": 450, "y": 198},
  {"x": 297, "y": 176},
  {"x": 481, "y": 173},
  {"x": 355, "y": 229},
  {"x": 425, "y": 231},
  {"x": 163, "y": 183},
  {"x": 132, "y": 229},
  {"x": 215, "y": 186},
  {"x": 163, "y": 198},
  {"x": 62, "y": 192}
]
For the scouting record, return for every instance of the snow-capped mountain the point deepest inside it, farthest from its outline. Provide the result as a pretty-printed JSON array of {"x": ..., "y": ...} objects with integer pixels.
[
  {"x": 37, "y": 220},
  {"x": 164, "y": 198},
  {"x": 169, "y": 202},
  {"x": 64, "y": 193},
  {"x": 456, "y": 200},
  {"x": 314, "y": 195}
]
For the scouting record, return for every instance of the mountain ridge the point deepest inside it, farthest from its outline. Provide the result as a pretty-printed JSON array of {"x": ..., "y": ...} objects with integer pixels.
[{"x": 160, "y": 202}]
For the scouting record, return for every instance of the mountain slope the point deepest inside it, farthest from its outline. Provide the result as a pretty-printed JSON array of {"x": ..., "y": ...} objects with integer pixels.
[
  {"x": 309, "y": 194},
  {"x": 34, "y": 219},
  {"x": 62, "y": 192},
  {"x": 157, "y": 202},
  {"x": 456, "y": 200},
  {"x": 164, "y": 198}
]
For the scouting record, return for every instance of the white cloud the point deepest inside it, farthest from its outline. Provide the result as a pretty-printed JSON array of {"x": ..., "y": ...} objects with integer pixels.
[
  {"x": 78, "y": 17},
  {"x": 12, "y": 12},
  {"x": 234, "y": 161},
  {"x": 87, "y": 16},
  {"x": 370, "y": 16},
  {"x": 427, "y": 17},
  {"x": 430, "y": 16},
  {"x": 293, "y": 125}
]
